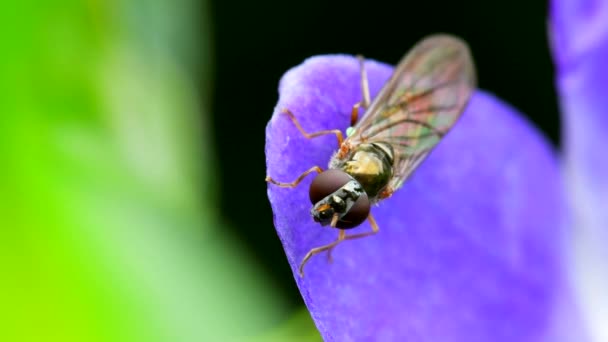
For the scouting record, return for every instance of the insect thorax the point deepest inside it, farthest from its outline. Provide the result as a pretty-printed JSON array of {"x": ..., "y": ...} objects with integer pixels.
[{"x": 370, "y": 164}]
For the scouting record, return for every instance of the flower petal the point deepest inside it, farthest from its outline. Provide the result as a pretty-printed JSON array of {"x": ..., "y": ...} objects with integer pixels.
[
  {"x": 468, "y": 249},
  {"x": 580, "y": 46}
]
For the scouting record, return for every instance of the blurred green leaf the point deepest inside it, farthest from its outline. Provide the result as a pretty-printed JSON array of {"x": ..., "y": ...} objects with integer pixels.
[
  {"x": 298, "y": 328},
  {"x": 109, "y": 227}
]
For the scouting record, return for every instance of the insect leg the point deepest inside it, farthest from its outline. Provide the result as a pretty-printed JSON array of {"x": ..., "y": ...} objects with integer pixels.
[
  {"x": 341, "y": 237},
  {"x": 387, "y": 192},
  {"x": 375, "y": 230},
  {"x": 364, "y": 84},
  {"x": 337, "y": 132},
  {"x": 297, "y": 181},
  {"x": 318, "y": 250},
  {"x": 354, "y": 115}
]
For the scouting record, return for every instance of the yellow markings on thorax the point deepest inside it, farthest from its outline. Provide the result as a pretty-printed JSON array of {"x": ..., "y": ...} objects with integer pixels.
[
  {"x": 364, "y": 163},
  {"x": 324, "y": 207}
]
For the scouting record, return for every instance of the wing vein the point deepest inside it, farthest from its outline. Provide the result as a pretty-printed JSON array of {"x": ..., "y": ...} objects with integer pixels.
[{"x": 399, "y": 122}]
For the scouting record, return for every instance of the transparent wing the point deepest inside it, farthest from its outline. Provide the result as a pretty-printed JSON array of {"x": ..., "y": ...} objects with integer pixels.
[{"x": 419, "y": 104}]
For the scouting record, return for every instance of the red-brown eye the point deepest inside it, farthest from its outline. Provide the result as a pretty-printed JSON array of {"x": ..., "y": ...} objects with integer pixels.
[
  {"x": 327, "y": 183},
  {"x": 357, "y": 213}
]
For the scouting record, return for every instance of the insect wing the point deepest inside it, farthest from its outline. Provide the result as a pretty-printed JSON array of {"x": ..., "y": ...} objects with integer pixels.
[{"x": 420, "y": 103}]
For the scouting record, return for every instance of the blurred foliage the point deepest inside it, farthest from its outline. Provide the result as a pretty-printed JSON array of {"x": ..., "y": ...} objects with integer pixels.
[
  {"x": 298, "y": 328},
  {"x": 109, "y": 227}
]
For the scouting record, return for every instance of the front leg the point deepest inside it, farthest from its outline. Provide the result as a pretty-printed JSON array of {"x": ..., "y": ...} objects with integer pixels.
[
  {"x": 295, "y": 183},
  {"x": 341, "y": 237}
]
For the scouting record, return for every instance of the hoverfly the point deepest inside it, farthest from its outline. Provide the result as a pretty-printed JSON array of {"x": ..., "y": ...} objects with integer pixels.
[{"x": 414, "y": 110}]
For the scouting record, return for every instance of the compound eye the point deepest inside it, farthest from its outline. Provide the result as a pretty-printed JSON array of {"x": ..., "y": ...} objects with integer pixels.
[
  {"x": 357, "y": 214},
  {"x": 327, "y": 183}
]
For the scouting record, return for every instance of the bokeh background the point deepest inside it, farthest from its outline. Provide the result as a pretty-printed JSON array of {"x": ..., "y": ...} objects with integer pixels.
[{"x": 133, "y": 202}]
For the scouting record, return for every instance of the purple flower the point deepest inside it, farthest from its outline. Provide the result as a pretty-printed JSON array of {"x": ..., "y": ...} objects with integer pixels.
[
  {"x": 473, "y": 246},
  {"x": 579, "y": 33}
]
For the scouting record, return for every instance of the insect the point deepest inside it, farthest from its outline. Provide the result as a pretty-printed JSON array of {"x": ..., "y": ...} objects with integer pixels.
[{"x": 414, "y": 110}]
